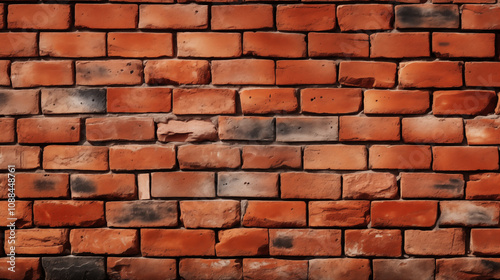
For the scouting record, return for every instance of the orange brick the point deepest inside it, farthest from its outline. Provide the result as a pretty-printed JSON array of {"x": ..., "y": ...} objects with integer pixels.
[
  {"x": 369, "y": 186},
  {"x": 75, "y": 157},
  {"x": 465, "y": 158},
  {"x": 432, "y": 185},
  {"x": 352, "y": 213},
  {"x": 464, "y": 267},
  {"x": 336, "y": 157},
  {"x": 247, "y": 184},
  {"x": 173, "y": 16},
  {"x": 296, "y": 72},
  {"x": 367, "y": 74},
  {"x": 320, "y": 185},
  {"x": 198, "y": 269},
  {"x": 268, "y": 100},
  {"x": 485, "y": 241},
  {"x": 305, "y": 242},
  {"x": 338, "y": 45},
  {"x": 177, "y": 72},
  {"x": 331, "y": 100},
  {"x": 353, "y": 128},
  {"x": 187, "y": 131},
  {"x": 480, "y": 17},
  {"x": 427, "y": 16},
  {"x": 439, "y": 74},
  {"x": 210, "y": 213},
  {"x": 208, "y": 156},
  {"x": 25, "y": 268},
  {"x": 42, "y": 73},
  {"x": 310, "y": 17},
  {"x": 39, "y": 16},
  {"x": 460, "y": 44},
  {"x": 404, "y": 213},
  {"x": 466, "y": 102},
  {"x": 137, "y": 268},
  {"x": 120, "y": 128},
  {"x": 275, "y": 214},
  {"x": 48, "y": 130},
  {"x": 23, "y": 157},
  {"x": 106, "y": 16},
  {"x": 271, "y": 44},
  {"x": 131, "y": 44},
  {"x": 482, "y": 74},
  {"x": 40, "y": 241},
  {"x": 23, "y": 211},
  {"x": 275, "y": 269},
  {"x": 432, "y": 130},
  {"x": 4, "y": 73},
  {"x": 42, "y": 185},
  {"x": 177, "y": 242},
  {"x": 243, "y": 242},
  {"x": 271, "y": 157},
  {"x": 141, "y": 157},
  {"x": 109, "y": 72},
  {"x": 340, "y": 268},
  {"x": 373, "y": 242},
  {"x": 183, "y": 184},
  {"x": 440, "y": 242},
  {"x": 204, "y": 101},
  {"x": 483, "y": 131},
  {"x": 77, "y": 44},
  {"x": 237, "y": 17},
  {"x": 365, "y": 17},
  {"x": 68, "y": 213},
  {"x": 18, "y": 44},
  {"x": 400, "y": 45},
  {"x": 243, "y": 71},
  {"x": 7, "y": 126},
  {"x": 103, "y": 186},
  {"x": 400, "y": 157},
  {"x": 208, "y": 44},
  {"x": 396, "y": 102},
  {"x": 139, "y": 100},
  {"x": 104, "y": 241}
]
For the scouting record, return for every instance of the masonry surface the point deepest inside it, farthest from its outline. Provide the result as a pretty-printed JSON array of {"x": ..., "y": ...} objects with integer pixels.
[{"x": 155, "y": 139}]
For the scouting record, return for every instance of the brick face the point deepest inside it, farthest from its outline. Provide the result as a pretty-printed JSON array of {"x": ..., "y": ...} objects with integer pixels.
[{"x": 226, "y": 139}]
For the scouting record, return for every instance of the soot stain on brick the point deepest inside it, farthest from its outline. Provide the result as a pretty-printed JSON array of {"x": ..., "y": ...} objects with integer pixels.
[
  {"x": 283, "y": 242},
  {"x": 478, "y": 217},
  {"x": 453, "y": 184},
  {"x": 82, "y": 185},
  {"x": 44, "y": 185},
  {"x": 416, "y": 16},
  {"x": 145, "y": 212},
  {"x": 256, "y": 130},
  {"x": 161, "y": 81},
  {"x": 3, "y": 98},
  {"x": 494, "y": 266},
  {"x": 73, "y": 268}
]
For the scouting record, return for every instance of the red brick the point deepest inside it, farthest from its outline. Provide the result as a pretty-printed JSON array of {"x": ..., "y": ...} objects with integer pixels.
[
  {"x": 18, "y": 44},
  {"x": 265, "y": 101},
  {"x": 103, "y": 186},
  {"x": 204, "y": 101},
  {"x": 4, "y": 72},
  {"x": 483, "y": 186},
  {"x": 404, "y": 213},
  {"x": 187, "y": 131},
  {"x": 243, "y": 71},
  {"x": 481, "y": 17},
  {"x": 144, "y": 186},
  {"x": 210, "y": 213},
  {"x": 208, "y": 44},
  {"x": 141, "y": 213},
  {"x": 373, "y": 243},
  {"x": 7, "y": 126},
  {"x": 297, "y": 72},
  {"x": 337, "y": 157},
  {"x": 482, "y": 74},
  {"x": 201, "y": 269},
  {"x": 139, "y": 157},
  {"x": 139, "y": 100},
  {"x": 247, "y": 184},
  {"x": 424, "y": 74},
  {"x": 41, "y": 73},
  {"x": 365, "y": 17},
  {"x": 109, "y": 72},
  {"x": 26, "y": 268},
  {"x": 409, "y": 269},
  {"x": 467, "y": 268},
  {"x": 485, "y": 241},
  {"x": 104, "y": 241},
  {"x": 177, "y": 72},
  {"x": 306, "y": 129},
  {"x": 131, "y": 44},
  {"x": 274, "y": 214},
  {"x": 208, "y": 156},
  {"x": 39, "y": 241},
  {"x": 23, "y": 211},
  {"x": 106, "y": 16},
  {"x": 319, "y": 185},
  {"x": 396, "y": 102},
  {"x": 237, "y": 17},
  {"x": 338, "y": 45},
  {"x": 177, "y": 242},
  {"x": 400, "y": 157},
  {"x": 367, "y": 74},
  {"x": 432, "y": 130},
  {"x": 432, "y": 185},
  {"x": 2, "y": 15},
  {"x": 483, "y": 131},
  {"x": 137, "y": 268},
  {"x": 339, "y": 268},
  {"x": 469, "y": 213},
  {"x": 427, "y": 16},
  {"x": 48, "y": 130},
  {"x": 272, "y": 44},
  {"x": 243, "y": 242},
  {"x": 339, "y": 213},
  {"x": 331, "y": 100},
  {"x": 369, "y": 186},
  {"x": 274, "y": 269},
  {"x": 305, "y": 242},
  {"x": 75, "y": 157},
  {"x": 466, "y": 102},
  {"x": 23, "y": 157},
  {"x": 465, "y": 158},
  {"x": 173, "y": 16},
  {"x": 354, "y": 128},
  {"x": 39, "y": 16},
  {"x": 68, "y": 213},
  {"x": 246, "y": 128},
  {"x": 270, "y": 157},
  {"x": 42, "y": 185},
  {"x": 460, "y": 44},
  {"x": 400, "y": 45},
  {"x": 120, "y": 128},
  {"x": 310, "y": 17},
  {"x": 440, "y": 242},
  {"x": 73, "y": 100},
  {"x": 77, "y": 44},
  {"x": 183, "y": 184}
]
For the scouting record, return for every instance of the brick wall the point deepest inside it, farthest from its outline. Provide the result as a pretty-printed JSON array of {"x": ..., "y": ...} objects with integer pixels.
[{"x": 251, "y": 139}]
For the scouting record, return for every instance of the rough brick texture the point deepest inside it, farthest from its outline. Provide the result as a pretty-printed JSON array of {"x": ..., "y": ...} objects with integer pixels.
[{"x": 253, "y": 139}]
